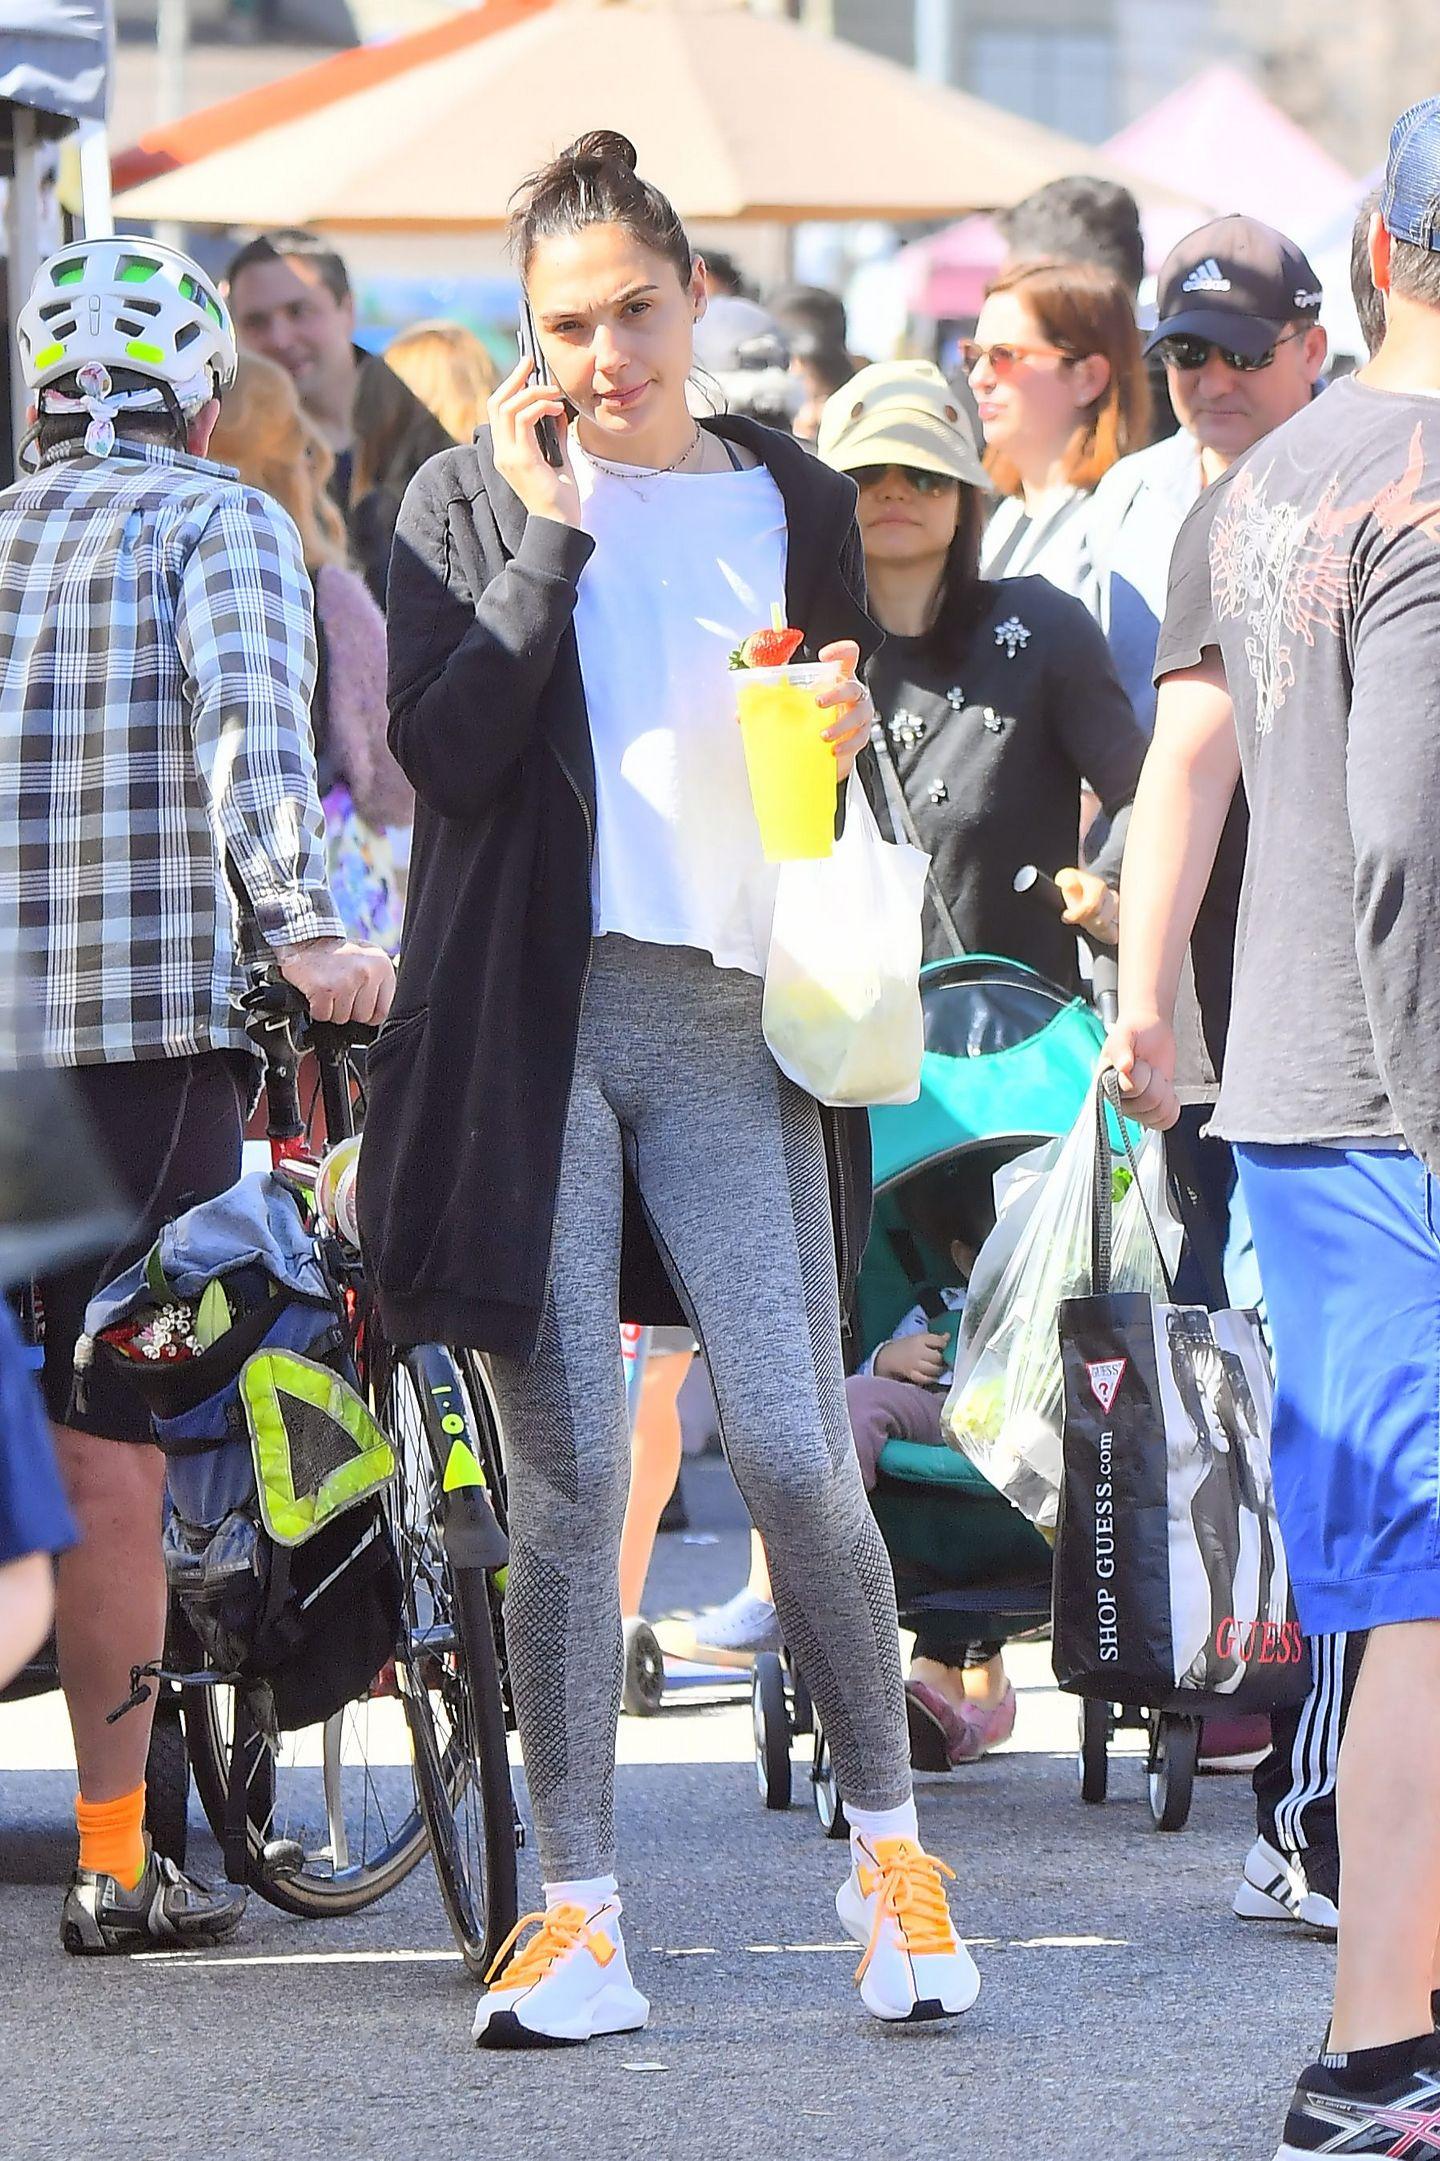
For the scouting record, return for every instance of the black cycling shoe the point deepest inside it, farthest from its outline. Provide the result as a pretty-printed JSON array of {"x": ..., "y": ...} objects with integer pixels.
[
  {"x": 164, "y": 1911},
  {"x": 1402, "y": 2116}
]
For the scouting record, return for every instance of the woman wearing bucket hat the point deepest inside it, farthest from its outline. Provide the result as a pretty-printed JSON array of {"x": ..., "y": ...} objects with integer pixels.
[{"x": 995, "y": 695}]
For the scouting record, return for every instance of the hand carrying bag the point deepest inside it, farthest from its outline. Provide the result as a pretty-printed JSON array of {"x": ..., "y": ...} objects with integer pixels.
[{"x": 1171, "y": 1583}]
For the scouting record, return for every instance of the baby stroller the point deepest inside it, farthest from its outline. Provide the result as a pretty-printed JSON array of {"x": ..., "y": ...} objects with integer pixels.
[{"x": 1008, "y": 1060}]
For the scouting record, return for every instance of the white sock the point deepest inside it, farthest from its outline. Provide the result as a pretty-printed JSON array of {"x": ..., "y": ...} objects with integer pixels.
[
  {"x": 873, "y": 1823},
  {"x": 591, "y": 1892}
]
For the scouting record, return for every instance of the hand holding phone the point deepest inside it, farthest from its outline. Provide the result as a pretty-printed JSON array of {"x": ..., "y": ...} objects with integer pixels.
[
  {"x": 529, "y": 422},
  {"x": 546, "y": 433}
]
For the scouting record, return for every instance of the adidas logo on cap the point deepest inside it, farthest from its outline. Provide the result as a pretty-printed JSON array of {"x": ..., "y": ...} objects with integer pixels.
[{"x": 1206, "y": 277}]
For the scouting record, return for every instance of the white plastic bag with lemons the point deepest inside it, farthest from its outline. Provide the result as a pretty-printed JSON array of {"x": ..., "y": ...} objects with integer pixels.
[
  {"x": 1006, "y": 1406},
  {"x": 842, "y": 980}
]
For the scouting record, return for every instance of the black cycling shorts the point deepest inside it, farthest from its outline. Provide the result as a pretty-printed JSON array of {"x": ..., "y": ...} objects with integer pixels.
[{"x": 171, "y": 1129}]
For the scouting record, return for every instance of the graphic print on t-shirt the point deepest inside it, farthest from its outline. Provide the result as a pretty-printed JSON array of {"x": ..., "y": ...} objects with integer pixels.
[{"x": 1286, "y": 571}]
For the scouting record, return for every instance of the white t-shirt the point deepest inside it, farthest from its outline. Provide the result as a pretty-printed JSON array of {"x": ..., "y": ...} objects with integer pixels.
[{"x": 685, "y": 566}]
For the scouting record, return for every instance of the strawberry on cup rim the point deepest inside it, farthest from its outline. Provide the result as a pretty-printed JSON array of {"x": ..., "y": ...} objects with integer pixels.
[{"x": 768, "y": 648}]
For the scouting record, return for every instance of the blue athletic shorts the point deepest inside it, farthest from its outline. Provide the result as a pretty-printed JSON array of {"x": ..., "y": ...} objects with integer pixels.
[
  {"x": 34, "y": 1517},
  {"x": 1349, "y": 1248}
]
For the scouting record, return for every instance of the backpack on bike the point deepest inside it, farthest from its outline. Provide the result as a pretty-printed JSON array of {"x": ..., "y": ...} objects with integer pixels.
[{"x": 276, "y": 1541}]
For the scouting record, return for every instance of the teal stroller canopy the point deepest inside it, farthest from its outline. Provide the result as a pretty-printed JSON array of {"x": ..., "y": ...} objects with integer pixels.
[{"x": 1008, "y": 1059}]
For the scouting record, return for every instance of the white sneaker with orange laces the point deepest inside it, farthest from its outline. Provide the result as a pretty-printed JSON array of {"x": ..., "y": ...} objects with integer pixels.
[
  {"x": 570, "y": 1982},
  {"x": 893, "y": 1901}
]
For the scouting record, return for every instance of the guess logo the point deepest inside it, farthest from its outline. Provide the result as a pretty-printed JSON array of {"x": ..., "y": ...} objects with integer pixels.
[{"x": 1105, "y": 1376}]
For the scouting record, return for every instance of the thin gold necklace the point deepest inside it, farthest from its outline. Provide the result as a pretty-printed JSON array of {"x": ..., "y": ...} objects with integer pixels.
[{"x": 648, "y": 472}]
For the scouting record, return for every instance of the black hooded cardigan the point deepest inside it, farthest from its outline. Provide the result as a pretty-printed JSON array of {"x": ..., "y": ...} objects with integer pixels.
[{"x": 470, "y": 1078}]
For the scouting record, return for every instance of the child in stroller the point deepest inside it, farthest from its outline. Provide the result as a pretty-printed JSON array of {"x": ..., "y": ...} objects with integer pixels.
[{"x": 959, "y": 1700}]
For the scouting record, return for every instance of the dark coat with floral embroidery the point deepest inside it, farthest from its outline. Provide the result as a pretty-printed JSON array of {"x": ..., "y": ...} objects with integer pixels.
[
  {"x": 992, "y": 740},
  {"x": 470, "y": 1078}
]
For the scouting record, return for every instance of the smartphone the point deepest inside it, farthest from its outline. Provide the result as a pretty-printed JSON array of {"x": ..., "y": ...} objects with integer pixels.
[{"x": 546, "y": 433}]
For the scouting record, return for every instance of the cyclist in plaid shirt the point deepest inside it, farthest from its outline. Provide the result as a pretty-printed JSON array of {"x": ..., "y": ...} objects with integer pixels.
[{"x": 159, "y": 827}]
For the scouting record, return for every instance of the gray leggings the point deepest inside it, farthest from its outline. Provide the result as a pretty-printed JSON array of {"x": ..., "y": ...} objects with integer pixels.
[{"x": 672, "y": 1075}]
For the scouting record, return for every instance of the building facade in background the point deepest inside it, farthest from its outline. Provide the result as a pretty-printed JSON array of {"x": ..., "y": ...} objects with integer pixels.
[{"x": 1340, "y": 69}]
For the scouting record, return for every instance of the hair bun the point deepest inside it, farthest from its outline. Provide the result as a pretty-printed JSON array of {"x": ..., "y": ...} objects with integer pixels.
[
  {"x": 602, "y": 148},
  {"x": 595, "y": 182}
]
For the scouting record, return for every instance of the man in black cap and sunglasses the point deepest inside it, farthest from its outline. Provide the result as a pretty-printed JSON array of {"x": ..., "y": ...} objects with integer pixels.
[{"x": 1238, "y": 329}]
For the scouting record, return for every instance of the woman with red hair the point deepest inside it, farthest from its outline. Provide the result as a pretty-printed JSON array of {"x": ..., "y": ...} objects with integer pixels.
[{"x": 1060, "y": 385}]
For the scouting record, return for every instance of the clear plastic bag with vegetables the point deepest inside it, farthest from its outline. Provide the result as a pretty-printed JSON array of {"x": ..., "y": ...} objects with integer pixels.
[{"x": 1005, "y": 1407}]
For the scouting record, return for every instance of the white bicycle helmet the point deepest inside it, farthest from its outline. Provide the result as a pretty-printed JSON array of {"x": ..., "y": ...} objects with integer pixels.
[{"x": 124, "y": 303}]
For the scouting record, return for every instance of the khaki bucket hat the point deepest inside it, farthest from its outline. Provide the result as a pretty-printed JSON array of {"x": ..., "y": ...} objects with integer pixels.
[{"x": 901, "y": 412}]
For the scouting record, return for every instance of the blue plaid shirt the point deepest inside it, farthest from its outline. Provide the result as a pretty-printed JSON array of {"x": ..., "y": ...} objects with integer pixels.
[{"x": 159, "y": 822}]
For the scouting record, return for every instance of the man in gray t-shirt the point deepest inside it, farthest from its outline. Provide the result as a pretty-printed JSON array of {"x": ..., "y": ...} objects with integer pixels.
[
  {"x": 1301, "y": 646},
  {"x": 1313, "y": 568}
]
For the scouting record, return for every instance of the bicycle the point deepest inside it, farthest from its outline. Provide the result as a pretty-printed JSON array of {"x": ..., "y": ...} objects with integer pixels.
[{"x": 313, "y": 1822}]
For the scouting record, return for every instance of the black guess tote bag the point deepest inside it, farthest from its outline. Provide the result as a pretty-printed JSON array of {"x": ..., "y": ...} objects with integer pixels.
[{"x": 1171, "y": 1585}]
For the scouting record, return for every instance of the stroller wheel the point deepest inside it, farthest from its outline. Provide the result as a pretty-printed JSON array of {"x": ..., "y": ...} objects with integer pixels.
[
  {"x": 1174, "y": 1749},
  {"x": 828, "y": 1805},
  {"x": 1094, "y": 1750},
  {"x": 772, "y": 1730},
  {"x": 802, "y": 1710},
  {"x": 644, "y": 1689}
]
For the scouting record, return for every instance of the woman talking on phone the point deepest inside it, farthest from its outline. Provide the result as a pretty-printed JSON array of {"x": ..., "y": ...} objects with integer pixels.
[{"x": 574, "y": 1116}]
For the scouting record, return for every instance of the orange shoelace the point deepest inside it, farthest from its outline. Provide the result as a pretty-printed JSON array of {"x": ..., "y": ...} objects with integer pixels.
[
  {"x": 912, "y": 1895},
  {"x": 560, "y": 1930}
]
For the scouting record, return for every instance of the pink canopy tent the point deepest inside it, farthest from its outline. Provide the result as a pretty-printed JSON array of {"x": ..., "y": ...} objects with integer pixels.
[{"x": 1216, "y": 139}]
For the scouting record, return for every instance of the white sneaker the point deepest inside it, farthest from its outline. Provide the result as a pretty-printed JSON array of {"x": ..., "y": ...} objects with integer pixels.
[
  {"x": 1277, "y": 1888},
  {"x": 915, "y": 1966},
  {"x": 570, "y": 1982},
  {"x": 728, "y": 1635}
]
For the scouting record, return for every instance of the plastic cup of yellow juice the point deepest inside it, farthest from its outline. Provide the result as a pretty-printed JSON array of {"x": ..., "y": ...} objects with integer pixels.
[{"x": 790, "y": 764}]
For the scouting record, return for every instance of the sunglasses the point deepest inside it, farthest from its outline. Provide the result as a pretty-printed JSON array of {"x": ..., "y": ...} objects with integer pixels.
[
  {"x": 1189, "y": 355},
  {"x": 870, "y": 476},
  {"x": 1005, "y": 359}
]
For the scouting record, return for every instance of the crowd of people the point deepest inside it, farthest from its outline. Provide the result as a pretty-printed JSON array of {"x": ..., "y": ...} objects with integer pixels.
[{"x": 330, "y": 659}]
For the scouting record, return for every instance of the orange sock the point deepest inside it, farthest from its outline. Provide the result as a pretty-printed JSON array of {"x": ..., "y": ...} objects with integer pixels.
[{"x": 112, "y": 1836}]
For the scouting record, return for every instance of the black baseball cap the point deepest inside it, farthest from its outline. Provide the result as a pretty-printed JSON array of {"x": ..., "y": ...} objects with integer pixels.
[{"x": 1236, "y": 283}]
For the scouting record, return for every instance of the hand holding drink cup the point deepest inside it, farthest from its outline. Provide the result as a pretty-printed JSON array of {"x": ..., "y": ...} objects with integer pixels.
[
  {"x": 854, "y": 712},
  {"x": 802, "y": 725}
]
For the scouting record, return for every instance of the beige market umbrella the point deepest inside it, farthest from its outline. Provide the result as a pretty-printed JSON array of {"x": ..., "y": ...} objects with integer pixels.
[{"x": 736, "y": 115}]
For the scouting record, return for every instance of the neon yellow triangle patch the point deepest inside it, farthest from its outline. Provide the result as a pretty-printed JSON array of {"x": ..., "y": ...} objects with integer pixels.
[{"x": 461, "y": 1468}]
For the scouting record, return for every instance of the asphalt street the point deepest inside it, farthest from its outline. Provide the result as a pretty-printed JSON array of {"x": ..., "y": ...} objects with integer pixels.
[{"x": 1125, "y": 2012}]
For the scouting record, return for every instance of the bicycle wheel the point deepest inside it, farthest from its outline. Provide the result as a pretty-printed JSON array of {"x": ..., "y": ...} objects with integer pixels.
[
  {"x": 450, "y": 1682},
  {"x": 332, "y": 1821}
]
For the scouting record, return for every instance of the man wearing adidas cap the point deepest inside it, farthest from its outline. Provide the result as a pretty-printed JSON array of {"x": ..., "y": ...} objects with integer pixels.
[
  {"x": 1299, "y": 649},
  {"x": 158, "y": 808},
  {"x": 1238, "y": 329}
]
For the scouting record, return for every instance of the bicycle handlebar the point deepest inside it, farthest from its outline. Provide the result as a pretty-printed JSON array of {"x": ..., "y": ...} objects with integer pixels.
[{"x": 278, "y": 1023}]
